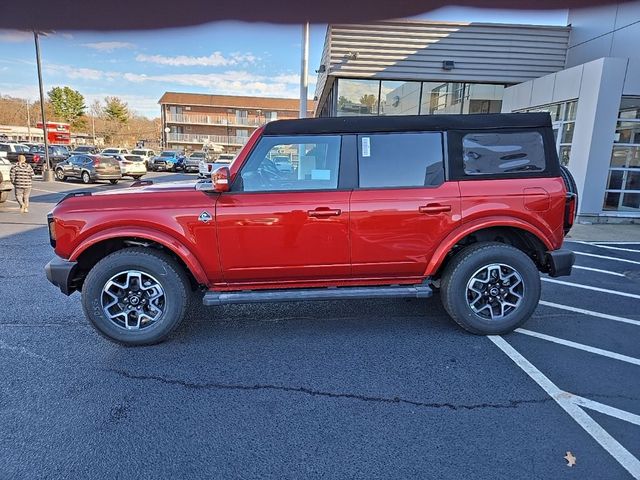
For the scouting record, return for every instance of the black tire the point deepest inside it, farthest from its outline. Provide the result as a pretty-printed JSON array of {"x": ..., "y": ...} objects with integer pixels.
[
  {"x": 460, "y": 270},
  {"x": 113, "y": 182},
  {"x": 60, "y": 175},
  {"x": 159, "y": 265},
  {"x": 86, "y": 178},
  {"x": 4, "y": 196},
  {"x": 136, "y": 177}
]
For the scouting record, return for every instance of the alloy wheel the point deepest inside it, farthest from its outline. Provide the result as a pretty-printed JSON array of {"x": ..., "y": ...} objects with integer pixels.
[{"x": 494, "y": 291}]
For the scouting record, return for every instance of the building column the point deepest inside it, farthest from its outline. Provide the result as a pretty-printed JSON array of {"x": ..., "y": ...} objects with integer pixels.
[{"x": 597, "y": 114}]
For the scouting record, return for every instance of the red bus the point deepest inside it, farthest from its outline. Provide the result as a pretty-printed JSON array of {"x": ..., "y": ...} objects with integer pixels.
[{"x": 57, "y": 133}]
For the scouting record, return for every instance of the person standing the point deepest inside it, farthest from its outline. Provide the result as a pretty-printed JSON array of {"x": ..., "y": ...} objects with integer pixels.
[{"x": 21, "y": 176}]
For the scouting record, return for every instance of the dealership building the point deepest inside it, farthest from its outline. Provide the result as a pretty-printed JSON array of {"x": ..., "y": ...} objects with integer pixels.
[{"x": 585, "y": 74}]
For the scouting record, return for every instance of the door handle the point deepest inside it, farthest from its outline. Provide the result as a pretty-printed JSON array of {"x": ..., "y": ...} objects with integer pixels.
[
  {"x": 433, "y": 208},
  {"x": 324, "y": 212}
]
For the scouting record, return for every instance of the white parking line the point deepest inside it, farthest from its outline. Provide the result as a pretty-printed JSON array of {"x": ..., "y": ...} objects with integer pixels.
[
  {"x": 607, "y": 247},
  {"x": 564, "y": 400},
  {"x": 580, "y": 346},
  {"x": 606, "y": 316},
  {"x": 611, "y": 243},
  {"x": 47, "y": 191},
  {"x": 606, "y": 257},
  {"x": 589, "y": 287},
  {"x": 607, "y": 410},
  {"x": 599, "y": 271}
]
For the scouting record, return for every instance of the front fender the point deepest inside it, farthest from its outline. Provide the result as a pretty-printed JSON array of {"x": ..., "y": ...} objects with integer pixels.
[
  {"x": 479, "y": 224},
  {"x": 164, "y": 239}
]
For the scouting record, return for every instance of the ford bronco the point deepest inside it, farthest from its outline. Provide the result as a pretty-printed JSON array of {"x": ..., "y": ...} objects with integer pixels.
[{"x": 475, "y": 206}]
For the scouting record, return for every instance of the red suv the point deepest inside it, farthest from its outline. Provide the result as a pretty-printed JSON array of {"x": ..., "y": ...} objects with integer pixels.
[{"x": 361, "y": 207}]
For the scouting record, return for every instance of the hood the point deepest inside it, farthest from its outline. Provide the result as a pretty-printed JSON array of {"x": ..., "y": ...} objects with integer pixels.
[{"x": 156, "y": 187}]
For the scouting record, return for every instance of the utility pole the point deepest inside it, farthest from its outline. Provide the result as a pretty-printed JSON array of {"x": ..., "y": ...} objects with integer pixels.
[
  {"x": 47, "y": 172},
  {"x": 93, "y": 129},
  {"x": 304, "y": 71}
]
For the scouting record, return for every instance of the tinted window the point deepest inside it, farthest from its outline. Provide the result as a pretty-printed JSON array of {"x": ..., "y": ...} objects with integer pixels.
[
  {"x": 400, "y": 160},
  {"x": 168, "y": 154},
  {"x": 502, "y": 153},
  {"x": 4, "y": 148},
  {"x": 293, "y": 163}
]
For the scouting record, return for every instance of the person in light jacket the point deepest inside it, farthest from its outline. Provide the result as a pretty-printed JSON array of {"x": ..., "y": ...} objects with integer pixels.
[{"x": 21, "y": 176}]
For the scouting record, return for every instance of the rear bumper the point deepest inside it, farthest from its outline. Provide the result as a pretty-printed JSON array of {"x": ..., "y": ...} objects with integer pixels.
[
  {"x": 106, "y": 176},
  {"x": 560, "y": 262},
  {"x": 60, "y": 272}
]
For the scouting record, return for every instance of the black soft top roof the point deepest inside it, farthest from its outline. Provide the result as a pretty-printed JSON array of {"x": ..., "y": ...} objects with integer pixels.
[{"x": 407, "y": 123}]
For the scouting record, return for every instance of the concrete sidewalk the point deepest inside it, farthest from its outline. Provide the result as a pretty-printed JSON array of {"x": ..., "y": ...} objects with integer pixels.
[{"x": 606, "y": 232}]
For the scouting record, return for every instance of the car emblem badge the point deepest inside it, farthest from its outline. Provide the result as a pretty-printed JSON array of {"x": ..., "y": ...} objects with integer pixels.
[{"x": 205, "y": 217}]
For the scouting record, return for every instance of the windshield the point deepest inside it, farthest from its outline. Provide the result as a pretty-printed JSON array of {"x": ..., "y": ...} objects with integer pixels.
[
  {"x": 168, "y": 154},
  {"x": 139, "y": 152},
  {"x": 110, "y": 150}
]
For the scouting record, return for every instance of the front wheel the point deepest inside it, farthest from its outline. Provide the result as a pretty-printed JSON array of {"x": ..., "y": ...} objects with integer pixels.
[
  {"x": 136, "y": 177},
  {"x": 60, "y": 175},
  {"x": 4, "y": 196},
  {"x": 86, "y": 178},
  {"x": 490, "y": 288},
  {"x": 136, "y": 296},
  {"x": 113, "y": 182}
]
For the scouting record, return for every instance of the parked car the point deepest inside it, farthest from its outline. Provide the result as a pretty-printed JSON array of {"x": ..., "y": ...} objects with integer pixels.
[
  {"x": 85, "y": 150},
  {"x": 169, "y": 160},
  {"x": 89, "y": 168},
  {"x": 206, "y": 168},
  {"x": 5, "y": 180},
  {"x": 145, "y": 153},
  {"x": 192, "y": 162},
  {"x": 36, "y": 158},
  {"x": 472, "y": 206},
  {"x": 131, "y": 166},
  {"x": 12, "y": 148},
  {"x": 110, "y": 152}
]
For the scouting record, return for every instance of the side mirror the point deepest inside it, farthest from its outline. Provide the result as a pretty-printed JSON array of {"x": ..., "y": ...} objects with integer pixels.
[{"x": 220, "y": 179}]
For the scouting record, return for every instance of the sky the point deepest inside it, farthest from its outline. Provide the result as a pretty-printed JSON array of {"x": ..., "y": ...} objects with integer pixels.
[{"x": 230, "y": 58}]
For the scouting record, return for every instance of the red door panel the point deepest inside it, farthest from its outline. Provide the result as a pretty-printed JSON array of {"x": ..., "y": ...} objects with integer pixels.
[
  {"x": 287, "y": 236},
  {"x": 394, "y": 232}
]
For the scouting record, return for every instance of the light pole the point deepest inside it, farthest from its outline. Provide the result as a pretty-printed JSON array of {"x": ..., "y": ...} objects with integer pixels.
[
  {"x": 166, "y": 137},
  {"x": 47, "y": 172},
  {"x": 304, "y": 71}
]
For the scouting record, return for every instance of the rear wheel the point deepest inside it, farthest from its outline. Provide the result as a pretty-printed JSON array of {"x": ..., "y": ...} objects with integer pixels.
[
  {"x": 490, "y": 288},
  {"x": 136, "y": 296},
  {"x": 86, "y": 178},
  {"x": 113, "y": 182},
  {"x": 136, "y": 177}
]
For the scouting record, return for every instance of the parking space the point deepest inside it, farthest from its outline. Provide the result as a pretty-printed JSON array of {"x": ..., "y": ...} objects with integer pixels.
[{"x": 340, "y": 389}]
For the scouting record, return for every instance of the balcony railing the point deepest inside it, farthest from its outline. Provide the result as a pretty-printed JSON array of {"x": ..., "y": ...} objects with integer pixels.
[
  {"x": 196, "y": 119},
  {"x": 202, "y": 139}
]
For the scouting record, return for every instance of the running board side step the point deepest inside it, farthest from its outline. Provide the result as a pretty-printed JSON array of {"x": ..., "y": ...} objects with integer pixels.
[{"x": 303, "y": 294}]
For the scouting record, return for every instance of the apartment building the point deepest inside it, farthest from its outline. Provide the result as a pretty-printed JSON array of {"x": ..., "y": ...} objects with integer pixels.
[{"x": 191, "y": 121}]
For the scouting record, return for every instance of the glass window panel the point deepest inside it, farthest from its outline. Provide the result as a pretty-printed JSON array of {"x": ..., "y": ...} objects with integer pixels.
[
  {"x": 564, "y": 154},
  {"x": 627, "y": 132},
  {"x": 567, "y": 132},
  {"x": 611, "y": 201},
  {"x": 615, "y": 179},
  {"x": 570, "y": 110},
  {"x": 631, "y": 201},
  {"x": 438, "y": 97},
  {"x": 630, "y": 107},
  {"x": 293, "y": 163},
  {"x": 621, "y": 156},
  {"x": 400, "y": 160},
  {"x": 556, "y": 129},
  {"x": 357, "y": 97},
  {"x": 399, "y": 98},
  {"x": 483, "y": 98},
  {"x": 498, "y": 153},
  {"x": 633, "y": 180}
]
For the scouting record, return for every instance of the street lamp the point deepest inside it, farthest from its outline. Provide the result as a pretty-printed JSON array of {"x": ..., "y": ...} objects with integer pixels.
[
  {"x": 166, "y": 137},
  {"x": 47, "y": 172}
]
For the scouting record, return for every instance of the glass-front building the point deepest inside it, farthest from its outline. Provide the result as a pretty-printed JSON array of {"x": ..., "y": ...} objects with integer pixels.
[{"x": 363, "y": 97}]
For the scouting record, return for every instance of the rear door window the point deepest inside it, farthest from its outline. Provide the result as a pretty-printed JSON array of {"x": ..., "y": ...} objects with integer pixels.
[
  {"x": 500, "y": 153},
  {"x": 395, "y": 160}
]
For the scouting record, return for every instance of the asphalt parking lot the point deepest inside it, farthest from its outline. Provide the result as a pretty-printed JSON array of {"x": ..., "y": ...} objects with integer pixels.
[{"x": 341, "y": 389}]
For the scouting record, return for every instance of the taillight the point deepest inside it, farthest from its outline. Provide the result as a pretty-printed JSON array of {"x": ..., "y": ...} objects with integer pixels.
[
  {"x": 36, "y": 157},
  {"x": 96, "y": 162},
  {"x": 52, "y": 230},
  {"x": 570, "y": 211}
]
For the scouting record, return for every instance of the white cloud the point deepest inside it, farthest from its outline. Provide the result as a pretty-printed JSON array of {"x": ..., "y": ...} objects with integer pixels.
[
  {"x": 19, "y": 91},
  {"x": 216, "y": 59},
  {"x": 108, "y": 46},
  {"x": 15, "y": 36}
]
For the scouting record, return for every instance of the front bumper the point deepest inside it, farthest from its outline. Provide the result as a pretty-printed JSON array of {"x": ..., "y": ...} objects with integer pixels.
[
  {"x": 60, "y": 272},
  {"x": 560, "y": 262}
]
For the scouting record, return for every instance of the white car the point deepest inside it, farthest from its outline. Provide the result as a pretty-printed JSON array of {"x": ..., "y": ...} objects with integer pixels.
[
  {"x": 5, "y": 182},
  {"x": 145, "y": 153},
  {"x": 131, "y": 166},
  {"x": 206, "y": 168},
  {"x": 112, "y": 152},
  {"x": 10, "y": 147}
]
